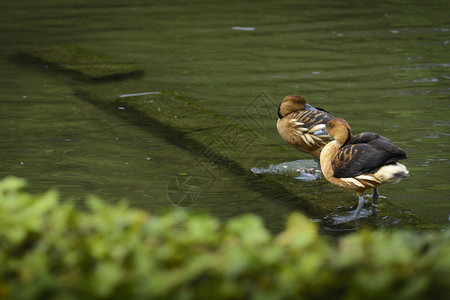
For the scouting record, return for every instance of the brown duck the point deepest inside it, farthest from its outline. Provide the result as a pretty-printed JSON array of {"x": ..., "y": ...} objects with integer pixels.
[
  {"x": 297, "y": 123},
  {"x": 360, "y": 162}
]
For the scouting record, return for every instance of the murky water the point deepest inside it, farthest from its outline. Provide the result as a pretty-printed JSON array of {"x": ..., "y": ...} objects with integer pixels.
[{"x": 384, "y": 67}]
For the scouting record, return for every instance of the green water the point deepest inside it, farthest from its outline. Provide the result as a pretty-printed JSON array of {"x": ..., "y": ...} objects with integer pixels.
[{"x": 382, "y": 66}]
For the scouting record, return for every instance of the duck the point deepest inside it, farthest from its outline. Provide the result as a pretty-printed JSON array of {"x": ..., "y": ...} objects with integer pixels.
[
  {"x": 361, "y": 162},
  {"x": 297, "y": 123}
]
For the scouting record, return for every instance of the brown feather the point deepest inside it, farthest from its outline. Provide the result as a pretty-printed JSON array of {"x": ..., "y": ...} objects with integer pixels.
[
  {"x": 353, "y": 161},
  {"x": 296, "y": 125}
]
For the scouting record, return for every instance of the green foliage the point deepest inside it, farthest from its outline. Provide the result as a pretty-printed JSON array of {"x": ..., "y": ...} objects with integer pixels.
[{"x": 51, "y": 250}]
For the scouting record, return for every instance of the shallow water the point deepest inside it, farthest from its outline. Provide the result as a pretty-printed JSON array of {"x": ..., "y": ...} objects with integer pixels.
[{"x": 381, "y": 66}]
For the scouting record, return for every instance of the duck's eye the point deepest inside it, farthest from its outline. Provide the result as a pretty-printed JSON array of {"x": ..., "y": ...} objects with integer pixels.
[
  {"x": 330, "y": 125},
  {"x": 298, "y": 102}
]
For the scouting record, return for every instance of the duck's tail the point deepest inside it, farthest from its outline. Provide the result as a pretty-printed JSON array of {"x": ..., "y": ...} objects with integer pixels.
[{"x": 392, "y": 173}]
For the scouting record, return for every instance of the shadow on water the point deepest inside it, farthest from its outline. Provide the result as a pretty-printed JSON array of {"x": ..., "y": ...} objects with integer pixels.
[
  {"x": 280, "y": 199},
  {"x": 27, "y": 59},
  {"x": 275, "y": 202}
]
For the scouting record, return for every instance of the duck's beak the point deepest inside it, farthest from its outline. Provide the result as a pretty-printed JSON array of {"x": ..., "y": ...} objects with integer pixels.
[
  {"x": 321, "y": 132},
  {"x": 309, "y": 107}
]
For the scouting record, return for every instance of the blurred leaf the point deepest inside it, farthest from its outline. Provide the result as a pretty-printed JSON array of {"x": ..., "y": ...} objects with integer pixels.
[
  {"x": 104, "y": 278},
  {"x": 299, "y": 233},
  {"x": 249, "y": 229},
  {"x": 52, "y": 250}
]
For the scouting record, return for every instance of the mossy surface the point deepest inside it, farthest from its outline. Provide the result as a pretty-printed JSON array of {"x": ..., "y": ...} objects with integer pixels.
[
  {"x": 229, "y": 138},
  {"x": 85, "y": 63}
]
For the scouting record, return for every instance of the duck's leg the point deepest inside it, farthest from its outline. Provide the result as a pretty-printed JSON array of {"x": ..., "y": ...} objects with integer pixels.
[
  {"x": 360, "y": 206},
  {"x": 375, "y": 197},
  {"x": 318, "y": 170}
]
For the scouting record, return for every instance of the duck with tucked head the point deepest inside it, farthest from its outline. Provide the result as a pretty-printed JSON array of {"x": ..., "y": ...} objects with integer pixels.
[
  {"x": 360, "y": 162},
  {"x": 297, "y": 123}
]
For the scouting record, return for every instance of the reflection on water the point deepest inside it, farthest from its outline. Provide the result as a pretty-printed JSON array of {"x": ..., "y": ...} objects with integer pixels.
[{"x": 381, "y": 66}]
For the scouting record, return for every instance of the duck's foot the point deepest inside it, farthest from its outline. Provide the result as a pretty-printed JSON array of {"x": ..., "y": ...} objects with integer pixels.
[
  {"x": 374, "y": 209},
  {"x": 350, "y": 217}
]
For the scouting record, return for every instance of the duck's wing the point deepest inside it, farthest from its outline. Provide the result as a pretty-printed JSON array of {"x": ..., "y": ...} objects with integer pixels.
[
  {"x": 311, "y": 118},
  {"x": 365, "y": 153},
  {"x": 298, "y": 129},
  {"x": 321, "y": 109},
  {"x": 364, "y": 137},
  {"x": 378, "y": 142}
]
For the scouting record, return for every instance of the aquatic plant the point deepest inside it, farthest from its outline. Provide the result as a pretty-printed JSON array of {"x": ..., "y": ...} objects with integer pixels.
[{"x": 52, "y": 250}]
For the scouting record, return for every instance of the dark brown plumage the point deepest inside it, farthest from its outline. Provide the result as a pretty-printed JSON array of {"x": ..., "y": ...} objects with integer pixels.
[
  {"x": 360, "y": 162},
  {"x": 297, "y": 123}
]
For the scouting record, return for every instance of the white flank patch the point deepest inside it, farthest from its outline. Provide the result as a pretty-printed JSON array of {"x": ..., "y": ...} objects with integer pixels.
[
  {"x": 368, "y": 177},
  {"x": 305, "y": 139},
  {"x": 310, "y": 139},
  {"x": 386, "y": 174},
  {"x": 354, "y": 181}
]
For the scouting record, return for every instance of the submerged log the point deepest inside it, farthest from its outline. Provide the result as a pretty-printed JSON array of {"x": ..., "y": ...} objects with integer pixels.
[{"x": 82, "y": 63}]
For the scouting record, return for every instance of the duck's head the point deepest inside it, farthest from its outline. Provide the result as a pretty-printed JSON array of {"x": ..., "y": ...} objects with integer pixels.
[
  {"x": 339, "y": 129},
  {"x": 291, "y": 104}
]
